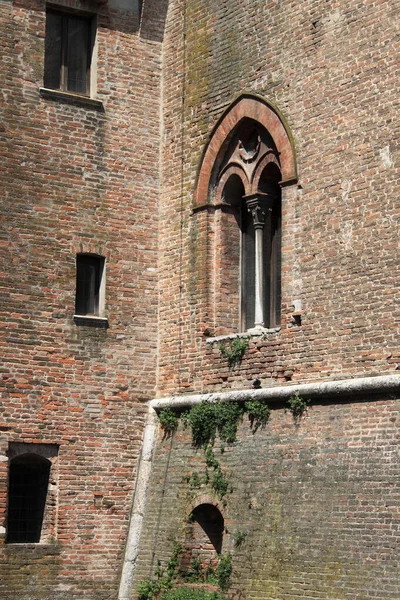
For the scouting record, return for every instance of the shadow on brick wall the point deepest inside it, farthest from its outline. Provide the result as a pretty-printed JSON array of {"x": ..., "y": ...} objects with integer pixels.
[{"x": 154, "y": 15}]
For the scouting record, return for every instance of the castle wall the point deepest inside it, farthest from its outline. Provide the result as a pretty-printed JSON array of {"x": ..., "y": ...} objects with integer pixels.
[
  {"x": 330, "y": 69},
  {"x": 311, "y": 509},
  {"x": 318, "y": 501},
  {"x": 78, "y": 176}
]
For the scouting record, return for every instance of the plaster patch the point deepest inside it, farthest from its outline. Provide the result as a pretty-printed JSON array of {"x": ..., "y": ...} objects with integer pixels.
[
  {"x": 346, "y": 186},
  {"x": 386, "y": 157}
]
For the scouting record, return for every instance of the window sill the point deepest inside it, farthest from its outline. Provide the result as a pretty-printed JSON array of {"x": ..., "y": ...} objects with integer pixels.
[
  {"x": 70, "y": 98},
  {"x": 91, "y": 321},
  {"x": 254, "y": 332}
]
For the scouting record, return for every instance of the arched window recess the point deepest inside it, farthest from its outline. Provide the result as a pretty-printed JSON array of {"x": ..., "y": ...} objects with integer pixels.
[{"x": 249, "y": 157}]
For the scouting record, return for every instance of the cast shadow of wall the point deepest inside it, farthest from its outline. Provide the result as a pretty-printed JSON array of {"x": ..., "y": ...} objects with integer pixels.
[{"x": 152, "y": 23}]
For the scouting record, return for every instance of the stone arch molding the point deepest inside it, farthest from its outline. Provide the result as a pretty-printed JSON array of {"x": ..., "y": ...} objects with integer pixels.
[{"x": 267, "y": 115}]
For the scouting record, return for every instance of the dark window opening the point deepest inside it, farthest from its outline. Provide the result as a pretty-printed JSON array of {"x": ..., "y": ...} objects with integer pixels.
[
  {"x": 68, "y": 52},
  {"x": 27, "y": 492},
  {"x": 269, "y": 185},
  {"x": 89, "y": 274}
]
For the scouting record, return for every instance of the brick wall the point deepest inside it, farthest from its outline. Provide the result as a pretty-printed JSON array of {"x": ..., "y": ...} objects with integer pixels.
[
  {"x": 78, "y": 178},
  {"x": 85, "y": 178},
  {"x": 316, "y": 503},
  {"x": 330, "y": 68}
]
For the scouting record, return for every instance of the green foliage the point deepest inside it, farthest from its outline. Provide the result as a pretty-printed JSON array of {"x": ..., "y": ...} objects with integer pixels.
[
  {"x": 165, "y": 584},
  {"x": 194, "y": 480},
  {"x": 224, "y": 572},
  {"x": 297, "y": 406},
  {"x": 258, "y": 413},
  {"x": 208, "y": 418},
  {"x": 191, "y": 593},
  {"x": 195, "y": 565},
  {"x": 219, "y": 484},
  {"x": 201, "y": 418},
  {"x": 168, "y": 420},
  {"x": 211, "y": 461},
  {"x": 239, "y": 538},
  {"x": 148, "y": 589},
  {"x": 228, "y": 415},
  {"x": 173, "y": 562},
  {"x": 217, "y": 480},
  {"x": 235, "y": 351}
]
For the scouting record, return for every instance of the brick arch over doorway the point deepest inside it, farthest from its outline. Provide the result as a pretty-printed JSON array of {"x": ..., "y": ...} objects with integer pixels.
[{"x": 251, "y": 107}]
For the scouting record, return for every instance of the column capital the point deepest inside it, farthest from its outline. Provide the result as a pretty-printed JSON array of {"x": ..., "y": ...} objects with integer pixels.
[{"x": 259, "y": 205}]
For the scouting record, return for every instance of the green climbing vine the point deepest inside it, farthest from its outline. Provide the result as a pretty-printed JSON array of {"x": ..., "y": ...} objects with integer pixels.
[
  {"x": 171, "y": 583},
  {"x": 156, "y": 587},
  {"x": 207, "y": 421}
]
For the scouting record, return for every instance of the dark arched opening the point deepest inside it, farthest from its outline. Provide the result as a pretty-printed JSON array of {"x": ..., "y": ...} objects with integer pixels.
[
  {"x": 203, "y": 541},
  {"x": 209, "y": 518}
]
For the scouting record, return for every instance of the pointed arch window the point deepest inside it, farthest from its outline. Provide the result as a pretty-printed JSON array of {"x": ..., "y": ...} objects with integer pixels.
[
  {"x": 244, "y": 179},
  {"x": 247, "y": 187}
]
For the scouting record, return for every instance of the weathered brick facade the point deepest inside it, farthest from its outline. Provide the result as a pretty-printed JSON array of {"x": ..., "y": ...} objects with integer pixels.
[
  {"x": 128, "y": 175},
  {"x": 78, "y": 177}
]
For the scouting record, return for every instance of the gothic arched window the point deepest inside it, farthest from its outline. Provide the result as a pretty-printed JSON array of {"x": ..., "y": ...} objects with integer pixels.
[
  {"x": 247, "y": 182},
  {"x": 249, "y": 157}
]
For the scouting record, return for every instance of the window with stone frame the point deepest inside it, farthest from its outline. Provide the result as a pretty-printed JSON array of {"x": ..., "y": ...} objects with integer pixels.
[
  {"x": 32, "y": 493},
  {"x": 248, "y": 257},
  {"x": 69, "y": 43}
]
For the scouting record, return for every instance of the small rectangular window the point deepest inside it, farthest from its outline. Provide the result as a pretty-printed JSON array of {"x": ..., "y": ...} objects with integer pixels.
[
  {"x": 68, "y": 52},
  {"x": 89, "y": 285}
]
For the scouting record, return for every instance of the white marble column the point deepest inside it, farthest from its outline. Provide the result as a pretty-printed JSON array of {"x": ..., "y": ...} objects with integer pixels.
[{"x": 259, "y": 205}]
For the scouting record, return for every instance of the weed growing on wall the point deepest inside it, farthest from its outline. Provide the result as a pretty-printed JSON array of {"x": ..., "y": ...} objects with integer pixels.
[
  {"x": 258, "y": 413},
  {"x": 155, "y": 588},
  {"x": 207, "y": 420},
  {"x": 235, "y": 351},
  {"x": 224, "y": 572},
  {"x": 190, "y": 593},
  {"x": 297, "y": 406},
  {"x": 239, "y": 537}
]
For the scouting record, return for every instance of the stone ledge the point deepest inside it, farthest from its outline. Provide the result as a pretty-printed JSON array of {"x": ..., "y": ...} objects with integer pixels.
[
  {"x": 69, "y": 98},
  {"x": 91, "y": 321},
  {"x": 253, "y": 332}
]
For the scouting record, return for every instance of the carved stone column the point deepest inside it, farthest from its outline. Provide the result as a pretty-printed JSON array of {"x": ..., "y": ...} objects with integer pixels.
[{"x": 258, "y": 206}]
